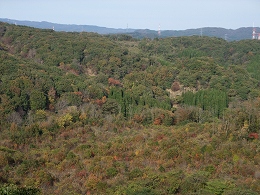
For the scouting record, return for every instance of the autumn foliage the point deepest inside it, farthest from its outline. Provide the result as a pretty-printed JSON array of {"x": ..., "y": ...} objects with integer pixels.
[
  {"x": 175, "y": 86},
  {"x": 115, "y": 82},
  {"x": 82, "y": 113}
]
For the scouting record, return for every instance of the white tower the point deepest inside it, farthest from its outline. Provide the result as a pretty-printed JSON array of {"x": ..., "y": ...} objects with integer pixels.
[
  {"x": 253, "y": 36},
  {"x": 159, "y": 30},
  {"x": 226, "y": 37},
  {"x": 254, "y": 33}
]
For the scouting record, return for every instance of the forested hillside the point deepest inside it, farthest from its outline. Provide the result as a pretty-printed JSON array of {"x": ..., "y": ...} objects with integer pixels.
[{"x": 82, "y": 113}]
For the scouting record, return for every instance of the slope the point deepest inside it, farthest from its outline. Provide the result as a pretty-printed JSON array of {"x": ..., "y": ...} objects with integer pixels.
[{"x": 84, "y": 113}]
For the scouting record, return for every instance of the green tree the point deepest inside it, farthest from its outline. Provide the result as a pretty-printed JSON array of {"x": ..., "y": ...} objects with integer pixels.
[
  {"x": 110, "y": 107},
  {"x": 37, "y": 100}
]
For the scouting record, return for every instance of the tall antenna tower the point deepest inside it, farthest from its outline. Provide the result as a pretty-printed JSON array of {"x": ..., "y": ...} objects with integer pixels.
[
  {"x": 159, "y": 30},
  {"x": 254, "y": 33}
]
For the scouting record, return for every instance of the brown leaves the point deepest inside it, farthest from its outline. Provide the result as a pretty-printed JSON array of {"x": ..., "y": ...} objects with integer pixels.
[
  {"x": 253, "y": 135},
  {"x": 175, "y": 86},
  {"x": 112, "y": 81}
]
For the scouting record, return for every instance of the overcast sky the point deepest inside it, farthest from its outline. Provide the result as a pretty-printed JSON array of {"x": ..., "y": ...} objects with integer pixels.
[{"x": 141, "y": 14}]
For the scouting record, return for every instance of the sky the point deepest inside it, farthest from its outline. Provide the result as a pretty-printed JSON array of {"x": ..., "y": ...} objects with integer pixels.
[{"x": 137, "y": 14}]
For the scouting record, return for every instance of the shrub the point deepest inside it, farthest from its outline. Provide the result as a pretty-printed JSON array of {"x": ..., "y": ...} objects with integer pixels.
[
  {"x": 210, "y": 169},
  {"x": 155, "y": 181},
  {"x": 174, "y": 181},
  {"x": 110, "y": 107},
  {"x": 142, "y": 191},
  {"x": 70, "y": 156},
  {"x": 40, "y": 115},
  {"x": 45, "y": 178},
  {"x": 10, "y": 189},
  {"x": 135, "y": 173},
  {"x": 239, "y": 191},
  {"x": 161, "y": 168},
  {"x": 215, "y": 187},
  {"x": 92, "y": 182},
  {"x": 33, "y": 131},
  {"x": 172, "y": 152},
  {"x": 3, "y": 159},
  {"x": 194, "y": 182},
  {"x": 136, "y": 189},
  {"x": 112, "y": 172}
]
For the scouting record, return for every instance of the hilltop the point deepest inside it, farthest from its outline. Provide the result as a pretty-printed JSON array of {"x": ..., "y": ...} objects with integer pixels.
[
  {"x": 84, "y": 113},
  {"x": 228, "y": 34}
]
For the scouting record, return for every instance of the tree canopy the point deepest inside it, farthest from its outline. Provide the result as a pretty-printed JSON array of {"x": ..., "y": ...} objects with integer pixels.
[{"x": 82, "y": 113}]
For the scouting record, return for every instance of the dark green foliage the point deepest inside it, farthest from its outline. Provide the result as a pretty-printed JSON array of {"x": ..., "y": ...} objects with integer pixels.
[
  {"x": 253, "y": 66},
  {"x": 33, "y": 130},
  {"x": 132, "y": 102},
  {"x": 72, "y": 99},
  {"x": 63, "y": 86},
  {"x": 120, "y": 37},
  {"x": 215, "y": 187},
  {"x": 211, "y": 100},
  {"x": 161, "y": 169},
  {"x": 23, "y": 134},
  {"x": 110, "y": 107},
  {"x": 37, "y": 100}
]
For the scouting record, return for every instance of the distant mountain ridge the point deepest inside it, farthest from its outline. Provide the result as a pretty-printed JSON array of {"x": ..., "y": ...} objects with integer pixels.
[
  {"x": 67, "y": 27},
  {"x": 228, "y": 34}
]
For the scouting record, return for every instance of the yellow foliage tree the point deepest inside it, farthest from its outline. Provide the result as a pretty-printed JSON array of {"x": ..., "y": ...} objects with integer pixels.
[{"x": 64, "y": 120}]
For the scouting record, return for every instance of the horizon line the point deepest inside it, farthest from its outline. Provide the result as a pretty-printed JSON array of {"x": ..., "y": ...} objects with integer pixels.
[{"x": 128, "y": 27}]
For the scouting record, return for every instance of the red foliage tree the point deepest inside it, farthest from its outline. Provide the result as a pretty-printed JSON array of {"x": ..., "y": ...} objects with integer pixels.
[
  {"x": 157, "y": 121},
  {"x": 253, "y": 135},
  {"x": 175, "y": 86},
  {"x": 115, "y": 82}
]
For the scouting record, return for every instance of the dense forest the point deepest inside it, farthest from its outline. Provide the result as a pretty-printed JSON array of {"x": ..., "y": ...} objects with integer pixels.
[{"x": 83, "y": 113}]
